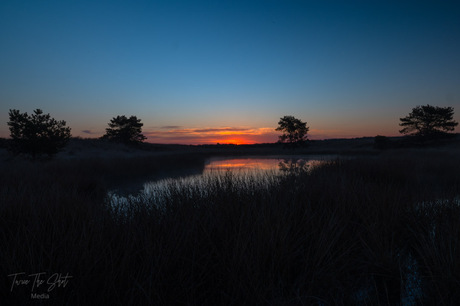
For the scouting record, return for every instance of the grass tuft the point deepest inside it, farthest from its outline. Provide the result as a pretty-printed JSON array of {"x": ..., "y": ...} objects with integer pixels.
[{"x": 369, "y": 230}]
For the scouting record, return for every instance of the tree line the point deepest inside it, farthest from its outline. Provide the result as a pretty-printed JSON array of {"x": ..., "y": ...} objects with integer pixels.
[
  {"x": 425, "y": 122},
  {"x": 38, "y": 133}
]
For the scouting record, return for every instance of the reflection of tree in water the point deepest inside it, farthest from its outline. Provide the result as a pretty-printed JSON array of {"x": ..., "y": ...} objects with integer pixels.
[{"x": 293, "y": 165}]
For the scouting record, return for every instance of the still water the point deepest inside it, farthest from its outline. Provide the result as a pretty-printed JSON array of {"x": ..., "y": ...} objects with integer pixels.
[
  {"x": 246, "y": 173},
  {"x": 243, "y": 169},
  {"x": 264, "y": 164}
]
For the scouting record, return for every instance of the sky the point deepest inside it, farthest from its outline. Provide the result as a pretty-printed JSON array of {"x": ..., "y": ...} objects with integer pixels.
[{"x": 199, "y": 72}]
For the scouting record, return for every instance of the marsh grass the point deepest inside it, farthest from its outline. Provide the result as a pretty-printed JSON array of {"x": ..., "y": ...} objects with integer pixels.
[{"x": 359, "y": 231}]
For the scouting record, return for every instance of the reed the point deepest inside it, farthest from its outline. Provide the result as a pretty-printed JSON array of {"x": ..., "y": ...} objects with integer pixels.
[{"x": 370, "y": 230}]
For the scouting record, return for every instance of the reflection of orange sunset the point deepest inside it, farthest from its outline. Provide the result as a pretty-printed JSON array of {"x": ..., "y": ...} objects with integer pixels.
[
  {"x": 258, "y": 164},
  {"x": 245, "y": 152},
  {"x": 244, "y": 163}
]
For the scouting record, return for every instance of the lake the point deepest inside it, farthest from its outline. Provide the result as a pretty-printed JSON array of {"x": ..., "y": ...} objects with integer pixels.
[
  {"x": 275, "y": 164},
  {"x": 247, "y": 173},
  {"x": 259, "y": 168}
]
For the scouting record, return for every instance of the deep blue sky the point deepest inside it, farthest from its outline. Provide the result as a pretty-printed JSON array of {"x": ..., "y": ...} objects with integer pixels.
[{"x": 196, "y": 70}]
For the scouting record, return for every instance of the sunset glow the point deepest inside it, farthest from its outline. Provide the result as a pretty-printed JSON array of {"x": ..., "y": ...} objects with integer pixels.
[
  {"x": 207, "y": 72},
  {"x": 243, "y": 152},
  {"x": 224, "y": 135}
]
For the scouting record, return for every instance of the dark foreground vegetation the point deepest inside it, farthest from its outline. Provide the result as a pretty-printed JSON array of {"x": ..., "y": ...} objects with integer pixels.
[{"x": 373, "y": 230}]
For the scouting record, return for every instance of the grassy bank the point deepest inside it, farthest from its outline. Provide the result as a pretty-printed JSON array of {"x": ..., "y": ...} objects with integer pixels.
[{"x": 380, "y": 229}]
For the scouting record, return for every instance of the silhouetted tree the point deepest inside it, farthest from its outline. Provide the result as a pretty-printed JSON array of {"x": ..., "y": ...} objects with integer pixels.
[
  {"x": 37, "y": 133},
  {"x": 125, "y": 130},
  {"x": 294, "y": 130},
  {"x": 428, "y": 121}
]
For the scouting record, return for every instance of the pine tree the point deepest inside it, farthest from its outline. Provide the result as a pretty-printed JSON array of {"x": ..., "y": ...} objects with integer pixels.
[{"x": 125, "y": 130}]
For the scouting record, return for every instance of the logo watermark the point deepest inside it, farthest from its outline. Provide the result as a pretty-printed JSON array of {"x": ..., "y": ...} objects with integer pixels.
[{"x": 40, "y": 284}]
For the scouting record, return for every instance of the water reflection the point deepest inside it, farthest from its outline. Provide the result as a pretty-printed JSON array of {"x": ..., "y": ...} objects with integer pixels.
[
  {"x": 293, "y": 165},
  {"x": 242, "y": 170},
  {"x": 238, "y": 164},
  {"x": 286, "y": 165}
]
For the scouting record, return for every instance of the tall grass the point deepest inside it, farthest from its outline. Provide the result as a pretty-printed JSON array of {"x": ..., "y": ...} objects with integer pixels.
[{"x": 373, "y": 230}]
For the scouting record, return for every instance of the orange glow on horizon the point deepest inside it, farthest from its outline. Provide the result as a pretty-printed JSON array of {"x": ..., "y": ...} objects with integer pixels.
[
  {"x": 212, "y": 135},
  {"x": 235, "y": 141},
  {"x": 244, "y": 135}
]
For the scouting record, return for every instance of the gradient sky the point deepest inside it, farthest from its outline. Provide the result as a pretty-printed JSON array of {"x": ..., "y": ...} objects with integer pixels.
[{"x": 226, "y": 71}]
